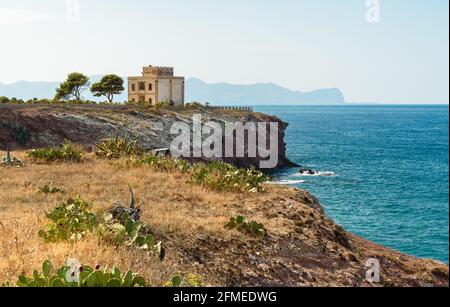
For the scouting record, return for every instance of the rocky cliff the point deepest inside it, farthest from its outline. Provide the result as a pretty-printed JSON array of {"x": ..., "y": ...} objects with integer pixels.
[
  {"x": 32, "y": 126},
  {"x": 303, "y": 247}
]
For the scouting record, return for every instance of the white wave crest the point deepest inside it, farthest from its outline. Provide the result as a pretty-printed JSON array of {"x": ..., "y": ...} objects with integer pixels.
[
  {"x": 318, "y": 174},
  {"x": 286, "y": 182}
]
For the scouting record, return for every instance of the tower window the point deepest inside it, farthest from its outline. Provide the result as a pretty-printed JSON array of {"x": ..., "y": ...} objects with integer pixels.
[
  {"x": 133, "y": 87},
  {"x": 141, "y": 86},
  {"x": 150, "y": 87}
]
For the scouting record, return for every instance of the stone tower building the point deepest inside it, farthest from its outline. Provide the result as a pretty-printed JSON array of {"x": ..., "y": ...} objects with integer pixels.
[{"x": 156, "y": 85}]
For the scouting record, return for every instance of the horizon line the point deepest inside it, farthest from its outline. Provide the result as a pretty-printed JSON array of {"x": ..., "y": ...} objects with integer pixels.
[{"x": 264, "y": 83}]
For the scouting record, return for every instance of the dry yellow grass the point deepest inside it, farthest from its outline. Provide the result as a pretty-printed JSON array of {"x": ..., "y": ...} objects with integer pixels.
[
  {"x": 171, "y": 206},
  {"x": 189, "y": 220}
]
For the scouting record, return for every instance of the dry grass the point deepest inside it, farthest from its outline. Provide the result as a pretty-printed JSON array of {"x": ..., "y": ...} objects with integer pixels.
[
  {"x": 302, "y": 247},
  {"x": 171, "y": 206}
]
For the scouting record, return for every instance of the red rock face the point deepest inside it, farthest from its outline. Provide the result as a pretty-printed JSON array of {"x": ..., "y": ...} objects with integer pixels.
[{"x": 50, "y": 125}]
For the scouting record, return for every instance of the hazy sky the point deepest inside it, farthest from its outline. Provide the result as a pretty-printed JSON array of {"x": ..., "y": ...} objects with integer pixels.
[{"x": 299, "y": 44}]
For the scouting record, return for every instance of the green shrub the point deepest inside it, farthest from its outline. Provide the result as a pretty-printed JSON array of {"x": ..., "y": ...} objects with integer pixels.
[
  {"x": 87, "y": 277},
  {"x": 218, "y": 176},
  {"x": 164, "y": 164},
  {"x": 6, "y": 100},
  {"x": 194, "y": 105},
  {"x": 71, "y": 221},
  {"x": 130, "y": 233},
  {"x": 191, "y": 280},
  {"x": 50, "y": 189},
  {"x": 164, "y": 105},
  {"x": 14, "y": 100},
  {"x": 221, "y": 176},
  {"x": 239, "y": 223},
  {"x": 68, "y": 152},
  {"x": 118, "y": 147}
]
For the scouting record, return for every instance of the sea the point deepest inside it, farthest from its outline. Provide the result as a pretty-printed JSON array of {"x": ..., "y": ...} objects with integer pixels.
[{"x": 382, "y": 170}]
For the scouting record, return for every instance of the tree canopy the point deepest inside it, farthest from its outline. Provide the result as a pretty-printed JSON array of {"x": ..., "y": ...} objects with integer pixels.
[
  {"x": 75, "y": 84},
  {"x": 108, "y": 86}
]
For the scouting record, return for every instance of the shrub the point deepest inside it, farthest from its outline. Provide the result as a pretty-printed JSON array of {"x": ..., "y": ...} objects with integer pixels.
[
  {"x": 218, "y": 176},
  {"x": 85, "y": 277},
  {"x": 68, "y": 152},
  {"x": 77, "y": 102},
  {"x": 71, "y": 220},
  {"x": 165, "y": 104},
  {"x": 50, "y": 189},
  {"x": 6, "y": 100},
  {"x": 130, "y": 233},
  {"x": 225, "y": 177},
  {"x": 191, "y": 280},
  {"x": 194, "y": 105},
  {"x": 239, "y": 223},
  {"x": 118, "y": 147},
  {"x": 164, "y": 164}
]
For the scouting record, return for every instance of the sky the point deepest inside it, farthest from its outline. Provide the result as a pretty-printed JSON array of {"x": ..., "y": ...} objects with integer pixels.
[{"x": 386, "y": 51}]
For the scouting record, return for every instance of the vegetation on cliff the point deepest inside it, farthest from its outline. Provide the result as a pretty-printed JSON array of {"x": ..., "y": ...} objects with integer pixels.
[
  {"x": 67, "y": 152},
  {"x": 207, "y": 223},
  {"x": 300, "y": 246}
]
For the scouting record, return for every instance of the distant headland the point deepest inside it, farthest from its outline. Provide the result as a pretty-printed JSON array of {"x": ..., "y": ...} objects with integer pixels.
[{"x": 198, "y": 90}]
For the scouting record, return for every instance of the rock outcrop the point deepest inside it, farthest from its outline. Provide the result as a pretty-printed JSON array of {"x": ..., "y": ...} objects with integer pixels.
[{"x": 34, "y": 126}]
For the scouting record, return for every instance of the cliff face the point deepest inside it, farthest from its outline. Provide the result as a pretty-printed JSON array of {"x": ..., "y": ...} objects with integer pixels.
[{"x": 25, "y": 127}]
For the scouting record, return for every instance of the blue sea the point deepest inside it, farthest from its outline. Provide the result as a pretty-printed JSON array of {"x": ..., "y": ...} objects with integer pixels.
[{"x": 384, "y": 170}]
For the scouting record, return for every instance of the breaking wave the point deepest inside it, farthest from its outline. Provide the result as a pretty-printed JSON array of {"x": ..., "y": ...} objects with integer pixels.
[
  {"x": 287, "y": 182},
  {"x": 318, "y": 174}
]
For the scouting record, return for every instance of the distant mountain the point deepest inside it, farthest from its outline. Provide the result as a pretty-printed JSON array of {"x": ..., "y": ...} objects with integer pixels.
[
  {"x": 31, "y": 89},
  {"x": 257, "y": 94},
  {"x": 197, "y": 90}
]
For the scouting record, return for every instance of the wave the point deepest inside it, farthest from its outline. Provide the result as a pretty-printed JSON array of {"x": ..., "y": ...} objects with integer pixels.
[
  {"x": 319, "y": 174},
  {"x": 286, "y": 182}
]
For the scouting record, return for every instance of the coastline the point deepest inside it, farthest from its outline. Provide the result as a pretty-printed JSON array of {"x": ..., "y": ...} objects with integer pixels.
[
  {"x": 390, "y": 165},
  {"x": 304, "y": 246}
]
